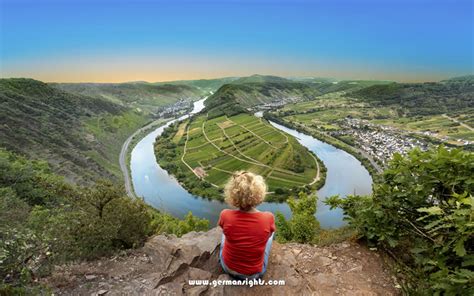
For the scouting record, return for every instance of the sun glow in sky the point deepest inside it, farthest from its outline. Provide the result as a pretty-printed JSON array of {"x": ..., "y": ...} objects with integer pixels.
[{"x": 116, "y": 41}]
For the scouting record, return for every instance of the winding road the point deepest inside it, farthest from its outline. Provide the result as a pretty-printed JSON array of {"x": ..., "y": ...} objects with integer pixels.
[{"x": 123, "y": 158}]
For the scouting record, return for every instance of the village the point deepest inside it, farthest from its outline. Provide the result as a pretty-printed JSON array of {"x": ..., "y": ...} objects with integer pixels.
[
  {"x": 181, "y": 106},
  {"x": 277, "y": 103},
  {"x": 380, "y": 142}
]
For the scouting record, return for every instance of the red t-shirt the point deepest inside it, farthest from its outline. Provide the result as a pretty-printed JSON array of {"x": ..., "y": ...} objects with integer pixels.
[{"x": 246, "y": 235}]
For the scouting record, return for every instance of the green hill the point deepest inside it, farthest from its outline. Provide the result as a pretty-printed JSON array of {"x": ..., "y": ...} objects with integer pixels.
[
  {"x": 79, "y": 128},
  {"x": 422, "y": 98},
  {"x": 143, "y": 95},
  {"x": 348, "y": 85},
  {"x": 314, "y": 79},
  {"x": 257, "y": 78},
  {"x": 468, "y": 79},
  {"x": 248, "y": 92},
  {"x": 206, "y": 85},
  {"x": 68, "y": 130},
  {"x": 234, "y": 98}
]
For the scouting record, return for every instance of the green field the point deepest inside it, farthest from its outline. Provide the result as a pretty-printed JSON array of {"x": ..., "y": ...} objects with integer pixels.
[
  {"x": 212, "y": 149},
  {"x": 439, "y": 125},
  {"x": 326, "y": 112}
]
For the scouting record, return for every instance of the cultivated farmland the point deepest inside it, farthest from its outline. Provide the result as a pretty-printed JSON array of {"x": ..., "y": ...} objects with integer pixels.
[{"x": 203, "y": 153}]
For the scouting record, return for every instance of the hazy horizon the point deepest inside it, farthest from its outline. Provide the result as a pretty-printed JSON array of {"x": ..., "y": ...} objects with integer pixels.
[
  {"x": 156, "y": 41},
  {"x": 232, "y": 76}
]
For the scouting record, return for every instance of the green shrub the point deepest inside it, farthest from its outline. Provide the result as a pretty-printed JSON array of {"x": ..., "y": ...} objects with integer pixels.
[
  {"x": 283, "y": 233},
  {"x": 165, "y": 223},
  {"x": 132, "y": 220},
  {"x": 13, "y": 210},
  {"x": 31, "y": 181},
  {"x": 422, "y": 211},
  {"x": 18, "y": 247},
  {"x": 45, "y": 221},
  {"x": 100, "y": 220},
  {"x": 303, "y": 226}
]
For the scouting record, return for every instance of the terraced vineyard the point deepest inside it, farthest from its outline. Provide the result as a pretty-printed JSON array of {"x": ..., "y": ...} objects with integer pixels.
[{"x": 202, "y": 153}]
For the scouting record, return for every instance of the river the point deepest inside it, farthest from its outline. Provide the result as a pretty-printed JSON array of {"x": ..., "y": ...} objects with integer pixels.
[{"x": 345, "y": 175}]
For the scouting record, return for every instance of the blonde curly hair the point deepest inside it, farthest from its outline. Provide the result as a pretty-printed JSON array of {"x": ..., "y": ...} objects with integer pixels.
[{"x": 245, "y": 190}]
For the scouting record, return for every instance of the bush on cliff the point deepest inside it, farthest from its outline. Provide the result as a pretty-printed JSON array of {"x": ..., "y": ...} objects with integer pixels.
[
  {"x": 423, "y": 211},
  {"x": 303, "y": 226},
  {"x": 165, "y": 223}
]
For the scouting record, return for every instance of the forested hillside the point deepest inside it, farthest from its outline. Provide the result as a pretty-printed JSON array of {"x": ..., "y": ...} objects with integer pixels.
[
  {"x": 448, "y": 96},
  {"x": 257, "y": 78},
  {"x": 147, "y": 96},
  {"x": 80, "y": 128},
  {"x": 454, "y": 95},
  {"x": 205, "y": 85},
  {"x": 347, "y": 85},
  {"x": 248, "y": 92},
  {"x": 43, "y": 122}
]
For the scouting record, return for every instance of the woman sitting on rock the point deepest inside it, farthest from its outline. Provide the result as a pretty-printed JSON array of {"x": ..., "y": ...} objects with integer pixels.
[{"x": 248, "y": 233}]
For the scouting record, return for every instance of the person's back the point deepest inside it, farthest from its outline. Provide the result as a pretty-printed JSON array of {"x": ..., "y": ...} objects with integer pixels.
[{"x": 248, "y": 233}]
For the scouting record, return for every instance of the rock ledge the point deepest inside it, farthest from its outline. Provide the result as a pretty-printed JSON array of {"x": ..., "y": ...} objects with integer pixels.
[{"x": 166, "y": 263}]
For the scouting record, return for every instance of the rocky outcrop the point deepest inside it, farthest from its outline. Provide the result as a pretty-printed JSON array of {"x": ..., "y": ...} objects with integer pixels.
[{"x": 168, "y": 265}]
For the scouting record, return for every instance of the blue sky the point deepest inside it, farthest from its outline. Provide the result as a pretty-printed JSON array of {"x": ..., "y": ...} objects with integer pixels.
[{"x": 164, "y": 40}]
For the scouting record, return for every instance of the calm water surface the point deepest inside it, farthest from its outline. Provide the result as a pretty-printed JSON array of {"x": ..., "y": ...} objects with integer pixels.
[{"x": 345, "y": 175}]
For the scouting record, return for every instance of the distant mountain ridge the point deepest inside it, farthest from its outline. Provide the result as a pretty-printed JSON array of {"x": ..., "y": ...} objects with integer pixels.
[
  {"x": 202, "y": 84},
  {"x": 257, "y": 78},
  {"x": 427, "y": 98},
  {"x": 148, "y": 96},
  {"x": 134, "y": 94},
  {"x": 248, "y": 92},
  {"x": 460, "y": 79}
]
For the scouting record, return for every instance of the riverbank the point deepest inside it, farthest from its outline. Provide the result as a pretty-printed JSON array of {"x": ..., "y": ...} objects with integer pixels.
[
  {"x": 133, "y": 139},
  {"x": 124, "y": 158},
  {"x": 374, "y": 169}
]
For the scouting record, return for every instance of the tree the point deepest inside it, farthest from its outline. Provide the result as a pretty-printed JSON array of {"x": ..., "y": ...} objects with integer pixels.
[{"x": 101, "y": 195}]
